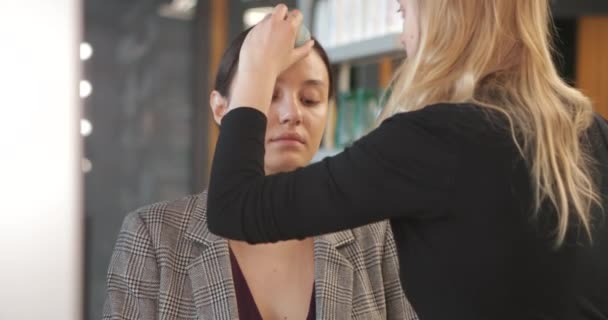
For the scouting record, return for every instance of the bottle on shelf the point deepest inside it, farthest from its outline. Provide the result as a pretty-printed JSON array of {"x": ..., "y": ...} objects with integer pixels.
[
  {"x": 340, "y": 22},
  {"x": 357, "y": 112}
]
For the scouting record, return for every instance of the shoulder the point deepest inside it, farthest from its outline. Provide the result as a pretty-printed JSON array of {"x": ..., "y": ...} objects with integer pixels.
[
  {"x": 369, "y": 239},
  {"x": 374, "y": 234},
  {"x": 446, "y": 109},
  {"x": 163, "y": 219},
  {"x": 448, "y": 127},
  {"x": 166, "y": 212},
  {"x": 151, "y": 254},
  {"x": 449, "y": 115},
  {"x": 430, "y": 138}
]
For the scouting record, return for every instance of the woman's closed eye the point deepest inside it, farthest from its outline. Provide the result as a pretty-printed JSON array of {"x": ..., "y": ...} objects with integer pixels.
[
  {"x": 311, "y": 96},
  {"x": 310, "y": 99}
]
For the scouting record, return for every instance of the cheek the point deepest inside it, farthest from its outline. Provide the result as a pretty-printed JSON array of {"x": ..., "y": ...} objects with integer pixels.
[
  {"x": 272, "y": 120},
  {"x": 413, "y": 28},
  {"x": 409, "y": 36},
  {"x": 317, "y": 120}
]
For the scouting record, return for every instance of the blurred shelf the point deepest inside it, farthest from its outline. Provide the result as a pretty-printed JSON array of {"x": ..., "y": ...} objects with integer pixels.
[
  {"x": 324, "y": 152},
  {"x": 385, "y": 45}
]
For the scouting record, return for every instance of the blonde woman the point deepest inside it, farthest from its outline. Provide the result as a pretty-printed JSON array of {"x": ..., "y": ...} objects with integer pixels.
[
  {"x": 167, "y": 265},
  {"x": 490, "y": 168}
]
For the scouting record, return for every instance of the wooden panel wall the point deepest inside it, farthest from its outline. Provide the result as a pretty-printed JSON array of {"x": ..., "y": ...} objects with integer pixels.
[
  {"x": 219, "y": 40},
  {"x": 592, "y": 61}
]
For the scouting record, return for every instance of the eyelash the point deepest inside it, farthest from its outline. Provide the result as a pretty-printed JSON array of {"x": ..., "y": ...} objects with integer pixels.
[
  {"x": 310, "y": 102},
  {"x": 306, "y": 102}
]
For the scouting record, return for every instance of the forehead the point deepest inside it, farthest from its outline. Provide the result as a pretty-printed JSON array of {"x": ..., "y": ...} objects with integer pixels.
[{"x": 311, "y": 67}]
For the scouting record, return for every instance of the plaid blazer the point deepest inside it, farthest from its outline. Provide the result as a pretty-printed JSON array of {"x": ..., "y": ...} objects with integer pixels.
[{"x": 167, "y": 265}]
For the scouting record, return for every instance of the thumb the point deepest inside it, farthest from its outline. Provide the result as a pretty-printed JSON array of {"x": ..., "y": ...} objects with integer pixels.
[{"x": 301, "y": 52}]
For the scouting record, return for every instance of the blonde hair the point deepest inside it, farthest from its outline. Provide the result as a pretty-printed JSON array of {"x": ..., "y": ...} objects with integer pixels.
[{"x": 497, "y": 54}]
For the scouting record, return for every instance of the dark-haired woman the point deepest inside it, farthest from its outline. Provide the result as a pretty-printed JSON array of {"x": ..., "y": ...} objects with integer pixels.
[{"x": 167, "y": 265}]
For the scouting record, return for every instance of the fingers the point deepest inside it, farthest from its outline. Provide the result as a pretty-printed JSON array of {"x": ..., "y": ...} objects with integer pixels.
[
  {"x": 300, "y": 53},
  {"x": 280, "y": 12},
  {"x": 295, "y": 18},
  {"x": 283, "y": 19}
]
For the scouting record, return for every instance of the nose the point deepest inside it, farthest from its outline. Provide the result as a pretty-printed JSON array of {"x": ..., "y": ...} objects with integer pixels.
[{"x": 290, "y": 110}]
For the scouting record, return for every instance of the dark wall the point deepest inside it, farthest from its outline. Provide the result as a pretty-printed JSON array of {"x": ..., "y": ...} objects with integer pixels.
[
  {"x": 141, "y": 72},
  {"x": 565, "y": 48},
  {"x": 578, "y": 8}
]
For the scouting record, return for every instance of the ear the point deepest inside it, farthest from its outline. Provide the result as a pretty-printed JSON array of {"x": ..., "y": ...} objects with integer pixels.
[{"x": 219, "y": 106}]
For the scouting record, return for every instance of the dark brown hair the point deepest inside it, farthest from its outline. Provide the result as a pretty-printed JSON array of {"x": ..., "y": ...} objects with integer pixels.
[{"x": 230, "y": 62}]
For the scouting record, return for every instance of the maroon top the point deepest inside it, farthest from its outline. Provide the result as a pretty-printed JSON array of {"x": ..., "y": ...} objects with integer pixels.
[{"x": 244, "y": 299}]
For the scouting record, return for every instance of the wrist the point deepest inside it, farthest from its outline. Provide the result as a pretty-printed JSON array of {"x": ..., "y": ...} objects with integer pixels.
[
  {"x": 256, "y": 72},
  {"x": 252, "y": 89}
]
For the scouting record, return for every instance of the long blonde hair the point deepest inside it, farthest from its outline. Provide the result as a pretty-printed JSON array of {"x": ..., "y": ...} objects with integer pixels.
[{"x": 497, "y": 54}]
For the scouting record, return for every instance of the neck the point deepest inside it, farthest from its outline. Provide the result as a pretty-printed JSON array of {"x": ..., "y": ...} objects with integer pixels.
[{"x": 289, "y": 250}]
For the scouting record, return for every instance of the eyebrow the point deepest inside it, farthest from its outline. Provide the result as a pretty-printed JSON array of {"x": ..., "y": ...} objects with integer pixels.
[
  {"x": 311, "y": 82},
  {"x": 314, "y": 82}
]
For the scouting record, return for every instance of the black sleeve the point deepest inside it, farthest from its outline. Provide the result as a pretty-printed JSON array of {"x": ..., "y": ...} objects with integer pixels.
[{"x": 402, "y": 169}]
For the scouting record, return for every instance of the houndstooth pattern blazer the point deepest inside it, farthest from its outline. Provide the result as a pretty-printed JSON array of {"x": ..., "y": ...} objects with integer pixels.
[{"x": 167, "y": 265}]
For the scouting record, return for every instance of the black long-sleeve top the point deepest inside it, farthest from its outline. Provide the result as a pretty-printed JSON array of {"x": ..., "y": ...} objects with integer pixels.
[{"x": 458, "y": 195}]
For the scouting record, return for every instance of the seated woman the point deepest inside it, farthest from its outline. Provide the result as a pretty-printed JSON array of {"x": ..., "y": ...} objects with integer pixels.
[{"x": 167, "y": 265}]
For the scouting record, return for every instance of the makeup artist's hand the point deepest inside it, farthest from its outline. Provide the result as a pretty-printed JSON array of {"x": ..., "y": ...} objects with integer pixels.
[
  {"x": 267, "y": 51},
  {"x": 269, "y": 46}
]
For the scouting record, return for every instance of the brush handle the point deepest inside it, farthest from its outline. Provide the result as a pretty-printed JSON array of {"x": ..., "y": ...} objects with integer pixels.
[{"x": 303, "y": 36}]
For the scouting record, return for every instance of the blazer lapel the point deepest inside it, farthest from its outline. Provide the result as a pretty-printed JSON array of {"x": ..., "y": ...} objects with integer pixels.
[
  {"x": 210, "y": 271},
  {"x": 333, "y": 276}
]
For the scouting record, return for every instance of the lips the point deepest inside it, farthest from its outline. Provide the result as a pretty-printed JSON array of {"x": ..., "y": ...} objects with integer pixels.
[{"x": 288, "y": 137}]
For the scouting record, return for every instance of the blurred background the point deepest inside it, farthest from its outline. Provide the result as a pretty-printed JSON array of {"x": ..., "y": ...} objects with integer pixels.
[{"x": 148, "y": 67}]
